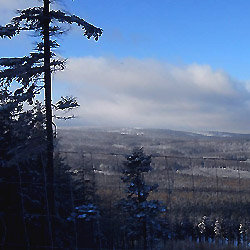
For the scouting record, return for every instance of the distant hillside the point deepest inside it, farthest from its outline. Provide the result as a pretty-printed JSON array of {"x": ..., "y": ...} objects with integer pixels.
[{"x": 161, "y": 141}]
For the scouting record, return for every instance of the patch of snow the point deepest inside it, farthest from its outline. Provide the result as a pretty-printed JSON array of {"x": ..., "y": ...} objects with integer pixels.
[
  {"x": 118, "y": 146},
  {"x": 221, "y": 172},
  {"x": 210, "y": 134},
  {"x": 140, "y": 134}
]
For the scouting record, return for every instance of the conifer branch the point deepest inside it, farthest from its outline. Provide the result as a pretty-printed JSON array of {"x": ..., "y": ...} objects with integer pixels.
[{"x": 89, "y": 29}]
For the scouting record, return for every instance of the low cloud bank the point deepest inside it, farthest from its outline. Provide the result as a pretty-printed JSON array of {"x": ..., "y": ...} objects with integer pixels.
[{"x": 154, "y": 94}]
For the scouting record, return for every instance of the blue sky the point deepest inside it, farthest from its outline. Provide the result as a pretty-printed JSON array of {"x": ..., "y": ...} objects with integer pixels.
[
  {"x": 178, "y": 64},
  {"x": 178, "y": 31}
]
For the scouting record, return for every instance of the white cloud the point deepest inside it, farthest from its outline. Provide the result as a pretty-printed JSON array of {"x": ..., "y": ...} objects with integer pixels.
[{"x": 150, "y": 93}]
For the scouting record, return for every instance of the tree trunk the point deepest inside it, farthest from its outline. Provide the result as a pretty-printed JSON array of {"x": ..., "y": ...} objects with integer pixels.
[
  {"x": 48, "y": 89},
  {"x": 144, "y": 228}
]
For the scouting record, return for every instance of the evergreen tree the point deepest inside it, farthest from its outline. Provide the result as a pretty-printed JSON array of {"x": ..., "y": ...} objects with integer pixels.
[
  {"x": 23, "y": 196},
  {"x": 86, "y": 213},
  {"x": 23, "y": 145},
  {"x": 142, "y": 219},
  {"x": 38, "y": 66},
  {"x": 33, "y": 73},
  {"x": 64, "y": 206}
]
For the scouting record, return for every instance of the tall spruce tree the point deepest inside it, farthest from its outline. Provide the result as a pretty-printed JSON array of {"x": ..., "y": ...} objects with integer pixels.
[
  {"x": 33, "y": 72},
  {"x": 22, "y": 194},
  {"x": 143, "y": 215}
]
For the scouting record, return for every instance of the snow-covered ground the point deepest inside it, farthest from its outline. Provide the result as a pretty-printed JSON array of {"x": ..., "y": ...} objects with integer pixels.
[{"x": 211, "y": 172}]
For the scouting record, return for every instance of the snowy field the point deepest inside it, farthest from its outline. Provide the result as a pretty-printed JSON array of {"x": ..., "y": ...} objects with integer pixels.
[{"x": 213, "y": 172}]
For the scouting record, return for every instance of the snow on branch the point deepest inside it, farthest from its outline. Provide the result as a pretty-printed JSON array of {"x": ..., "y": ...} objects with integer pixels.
[
  {"x": 28, "y": 14},
  {"x": 29, "y": 19},
  {"x": 16, "y": 99},
  {"x": 86, "y": 212},
  {"x": 22, "y": 73},
  {"x": 65, "y": 117},
  {"x": 32, "y": 18},
  {"x": 67, "y": 102},
  {"x": 8, "y": 31},
  {"x": 143, "y": 215},
  {"x": 14, "y": 61},
  {"x": 26, "y": 69},
  {"x": 89, "y": 29}
]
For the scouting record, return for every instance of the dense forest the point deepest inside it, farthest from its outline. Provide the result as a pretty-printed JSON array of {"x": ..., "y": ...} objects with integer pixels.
[{"x": 119, "y": 200}]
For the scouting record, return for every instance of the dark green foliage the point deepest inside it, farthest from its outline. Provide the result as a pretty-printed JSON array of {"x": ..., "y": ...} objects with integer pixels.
[
  {"x": 27, "y": 171},
  {"x": 142, "y": 215},
  {"x": 22, "y": 196}
]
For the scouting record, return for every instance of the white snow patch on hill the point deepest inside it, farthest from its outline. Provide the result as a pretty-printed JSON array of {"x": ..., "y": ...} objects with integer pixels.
[{"x": 221, "y": 172}]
